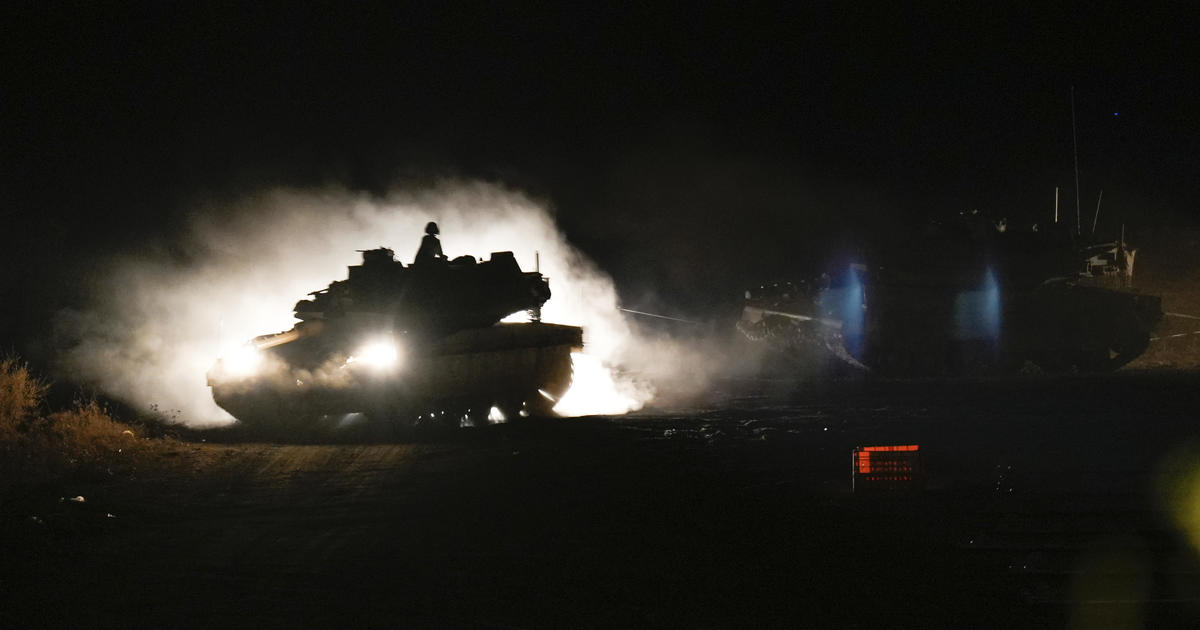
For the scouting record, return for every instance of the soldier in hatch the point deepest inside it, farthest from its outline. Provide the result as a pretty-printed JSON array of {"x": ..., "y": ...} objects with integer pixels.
[{"x": 431, "y": 248}]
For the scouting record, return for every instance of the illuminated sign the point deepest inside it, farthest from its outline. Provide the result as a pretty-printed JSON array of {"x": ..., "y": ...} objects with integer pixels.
[{"x": 888, "y": 468}]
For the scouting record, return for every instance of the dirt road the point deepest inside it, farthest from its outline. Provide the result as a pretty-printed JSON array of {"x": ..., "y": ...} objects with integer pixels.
[{"x": 1042, "y": 506}]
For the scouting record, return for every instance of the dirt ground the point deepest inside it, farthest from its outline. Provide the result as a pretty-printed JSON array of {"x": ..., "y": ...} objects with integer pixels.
[{"x": 1046, "y": 503}]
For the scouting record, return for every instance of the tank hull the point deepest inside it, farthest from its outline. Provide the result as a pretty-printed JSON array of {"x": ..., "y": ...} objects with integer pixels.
[
  {"x": 897, "y": 323},
  {"x": 1059, "y": 326},
  {"x": 518, "y": 369}
]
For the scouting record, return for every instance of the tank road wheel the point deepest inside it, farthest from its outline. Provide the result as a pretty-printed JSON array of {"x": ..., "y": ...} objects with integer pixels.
[
  {"x": 453, "y": 414},
  {"x": 512, "y": 409},
  {"x": 477, "y": 414}
]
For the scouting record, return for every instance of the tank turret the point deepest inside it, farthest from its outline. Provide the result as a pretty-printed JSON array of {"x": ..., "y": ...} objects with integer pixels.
[{"x": 435, "y": 298}]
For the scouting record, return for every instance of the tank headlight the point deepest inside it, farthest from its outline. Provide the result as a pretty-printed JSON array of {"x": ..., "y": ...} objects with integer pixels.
[
  {"x": 380, "y": 354},
  {"x": 242, "y": 361}
]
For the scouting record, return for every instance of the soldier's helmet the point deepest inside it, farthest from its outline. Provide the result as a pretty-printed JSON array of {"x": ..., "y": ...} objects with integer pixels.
[{"x": 431, "y": 228}]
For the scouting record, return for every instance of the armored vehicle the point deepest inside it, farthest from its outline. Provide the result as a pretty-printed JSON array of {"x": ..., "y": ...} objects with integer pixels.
[
  {"x": 421, "y": 344},
  {"x": 965, "y": 296}
]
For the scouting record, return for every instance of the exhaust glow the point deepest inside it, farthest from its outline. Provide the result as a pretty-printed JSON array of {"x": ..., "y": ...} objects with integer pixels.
[{"x": 596, "y": 389}]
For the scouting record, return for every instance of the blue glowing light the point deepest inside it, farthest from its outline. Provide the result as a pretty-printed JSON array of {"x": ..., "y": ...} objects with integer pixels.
[
  {"x": 852, "y": 314},
  {"x": 977, "y": 313}
]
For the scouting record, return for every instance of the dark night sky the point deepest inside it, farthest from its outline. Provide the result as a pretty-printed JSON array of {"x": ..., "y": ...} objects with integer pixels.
[{"x": 684, "y": 150}]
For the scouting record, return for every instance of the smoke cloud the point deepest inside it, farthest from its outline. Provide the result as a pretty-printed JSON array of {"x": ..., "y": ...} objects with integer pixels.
[{"x": 160, "y": 318}]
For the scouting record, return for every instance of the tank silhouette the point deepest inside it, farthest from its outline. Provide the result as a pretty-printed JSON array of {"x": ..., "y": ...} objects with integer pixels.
[
  {"x": 411, "y": 345},
  {"x": 960, "y": 297}
]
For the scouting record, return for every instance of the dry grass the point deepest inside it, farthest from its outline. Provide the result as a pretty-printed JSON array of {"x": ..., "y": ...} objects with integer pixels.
[
  {"x": 20, "y": 396},
  {"x": 36, "y": 445}
]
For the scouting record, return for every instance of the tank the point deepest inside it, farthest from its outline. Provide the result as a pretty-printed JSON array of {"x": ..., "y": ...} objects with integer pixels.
[
  {"x": 407, "y": 345},
  {"x": 965, "y": 296}
]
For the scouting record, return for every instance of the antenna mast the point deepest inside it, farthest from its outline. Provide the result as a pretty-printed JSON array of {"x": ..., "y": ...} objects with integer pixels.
[
  {"x": 1096, "y": 217},
  {"x": 1075, "y": 151}
]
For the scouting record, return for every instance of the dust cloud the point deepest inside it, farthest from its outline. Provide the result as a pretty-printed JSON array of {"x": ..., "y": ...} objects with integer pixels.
[{"x": 160, "y": 318}]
